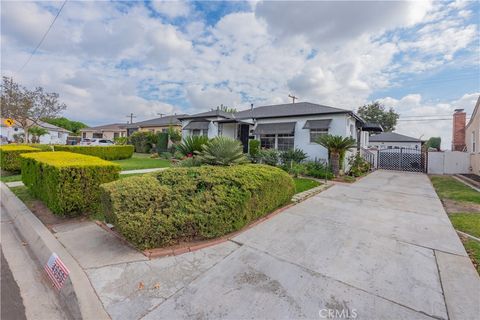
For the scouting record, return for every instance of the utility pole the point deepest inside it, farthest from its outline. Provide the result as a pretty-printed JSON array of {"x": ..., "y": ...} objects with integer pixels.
[
  {"x": 293, "y": 98},
  {"x": 161, "y": 114},
  {"x": 131, "y": 116}
]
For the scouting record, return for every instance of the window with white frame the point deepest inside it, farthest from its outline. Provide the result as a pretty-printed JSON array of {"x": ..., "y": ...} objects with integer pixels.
[
  {"x": 198, "y": 132},
  {"x": 285, "y": 142},
  {"x": 267, "y": 141},
  {"x": 315, "y": 133}
]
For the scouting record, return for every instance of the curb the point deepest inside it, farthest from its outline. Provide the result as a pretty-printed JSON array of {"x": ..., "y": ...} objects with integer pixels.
[{"x": 77, "y": 293}]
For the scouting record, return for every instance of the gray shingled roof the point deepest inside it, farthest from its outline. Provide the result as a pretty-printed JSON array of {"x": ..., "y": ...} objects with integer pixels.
[
  {"x": 212, "y": 113},
  {"x": 158, "y": 122},
  {"x": 272, "y": 111},
  {"x": 392, "y": 137},
  {"x": 289, "y": 109},
  {"x": 113, "y": 126}
]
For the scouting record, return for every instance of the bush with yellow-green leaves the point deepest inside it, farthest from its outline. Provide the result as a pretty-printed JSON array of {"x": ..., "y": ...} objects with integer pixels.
[
  {"x": 182, "y": 204},
  {"x": 10, "y": 156},
  {"x": 68, "y": 183},
  {"x": 114, "y": 152}
]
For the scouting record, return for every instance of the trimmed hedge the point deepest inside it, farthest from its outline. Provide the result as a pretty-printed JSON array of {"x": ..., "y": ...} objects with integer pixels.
[
  {"x": 183, "y": 204},
  {"x": 115, "y": 152},
  {"x": 68, "y": 183},
  {"x": 10, "y": 156}
]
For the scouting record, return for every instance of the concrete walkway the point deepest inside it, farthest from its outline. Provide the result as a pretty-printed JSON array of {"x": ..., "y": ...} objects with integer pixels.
[
  {"x": 382, "y": 248},
  {"x": 142, "y": 170}
]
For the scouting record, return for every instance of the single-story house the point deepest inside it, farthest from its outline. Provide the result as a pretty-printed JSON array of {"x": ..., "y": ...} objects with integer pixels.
[
  {"x": 108, "y": 131},
  {"x": 472, "y": 136},
  {"x": 282, "y": 127},
  {"x": 55, "y": 135},
  {"x": 156, "y": 125},
  {"x": 392, "y": 140}
]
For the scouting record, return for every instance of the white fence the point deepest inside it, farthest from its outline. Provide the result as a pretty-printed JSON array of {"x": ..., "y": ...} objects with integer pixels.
[{"x": 448, "y": 162}]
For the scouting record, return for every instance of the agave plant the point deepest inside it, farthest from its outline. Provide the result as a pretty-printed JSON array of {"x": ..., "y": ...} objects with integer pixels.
[
  {"x": 191, "y": 145},
  {"x": 222, "y": 151},
  {"x": 337, "y": 146}
]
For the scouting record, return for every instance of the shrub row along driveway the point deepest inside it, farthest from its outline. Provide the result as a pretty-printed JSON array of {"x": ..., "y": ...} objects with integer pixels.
[{"x": 382, "y": 248}]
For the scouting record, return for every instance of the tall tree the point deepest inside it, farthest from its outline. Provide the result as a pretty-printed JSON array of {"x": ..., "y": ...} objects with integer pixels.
[
  {"x": 225, "y": 109},
  {"x": 62, "y": 122},
  {"x": 375, "y": 112},
  {"x": 26, "y": 106},
  {"x": 434, "y": 142}
]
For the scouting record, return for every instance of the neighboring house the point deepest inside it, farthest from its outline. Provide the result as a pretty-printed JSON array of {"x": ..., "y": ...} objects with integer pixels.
[
  {"x": 55, "y": 135},
  {"x": 108, "y": 131},
  {"x": 392, "y": 140},
  {"x": 281, "y": 127},
  {"x": 156, "y": 125},
  {"x": 472, "y": 135}
]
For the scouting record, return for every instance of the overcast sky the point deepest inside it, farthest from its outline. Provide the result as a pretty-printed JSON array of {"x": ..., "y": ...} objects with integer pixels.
[{"x": 108, "y": 59}]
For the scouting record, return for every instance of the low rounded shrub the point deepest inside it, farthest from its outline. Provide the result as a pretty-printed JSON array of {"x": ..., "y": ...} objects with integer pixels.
[
  {"x": 182, "y": 204},
  {"x": 10, "y": 156},
  {"x": 68, "y": 183},
  {"x": 115, "y": 152}
]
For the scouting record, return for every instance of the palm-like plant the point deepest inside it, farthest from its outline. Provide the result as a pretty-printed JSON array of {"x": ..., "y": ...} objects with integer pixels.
[
  {"x": 337, "y": 146},
  {"x": 36, "y": 132},
  {"x": 192, "y": 145},
  {"x": 222, "y": 151}
]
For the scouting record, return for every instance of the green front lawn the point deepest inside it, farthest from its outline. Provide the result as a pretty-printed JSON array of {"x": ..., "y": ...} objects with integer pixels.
[
  {"x": 11, "y": 178},
  {"x": 467, "y": 222},
  {"x": 450, "y": 188},
  {"x": 142, "y": 161},
  {"x": 302, "y": 184},
  {"x": 473, "y": 249}
]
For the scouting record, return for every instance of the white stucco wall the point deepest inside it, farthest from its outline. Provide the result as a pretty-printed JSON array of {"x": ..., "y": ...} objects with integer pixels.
[
  {"x": 338, "y": 126},
  {"x": 52, "y": 137}
]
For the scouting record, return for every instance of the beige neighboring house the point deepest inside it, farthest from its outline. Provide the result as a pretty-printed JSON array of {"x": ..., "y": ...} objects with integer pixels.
[
  {"x": 108, "y": 131},
  {"x": 156, "y": 125},
  {"x": 472, "y": 137}
]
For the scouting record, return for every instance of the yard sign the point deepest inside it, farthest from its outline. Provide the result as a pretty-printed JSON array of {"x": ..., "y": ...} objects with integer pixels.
[{"x": 56, "y": 271}]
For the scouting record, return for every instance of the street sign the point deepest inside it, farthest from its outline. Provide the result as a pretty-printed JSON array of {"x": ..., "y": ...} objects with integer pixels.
[
  {"x": 56, "y": 271},
  {"x": 9, "y": 122}
]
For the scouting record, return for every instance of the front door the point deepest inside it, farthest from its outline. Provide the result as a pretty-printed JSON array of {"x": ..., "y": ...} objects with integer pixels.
[{"x": 244, "y": 133}]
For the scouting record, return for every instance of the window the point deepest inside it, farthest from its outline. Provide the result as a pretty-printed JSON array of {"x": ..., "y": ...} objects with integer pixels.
[
  {"x": 164, "y": 130},
  {"x": 59, "y": 135},
  {"x": 84, "y": 135},
  {"x": 267, "y": 141},
  {"x": 285, "y": 142},
  {"x": 115, "y": 135},
  {"x": 97, "y": 135},
  {"x": 198, "y": 132},
  {"x": 315, "y": 133},
  {"x": 473, "y": 141}
]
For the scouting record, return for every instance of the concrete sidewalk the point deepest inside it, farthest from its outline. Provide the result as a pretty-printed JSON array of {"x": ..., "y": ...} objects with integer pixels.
[{"x": 382, "y": 248}]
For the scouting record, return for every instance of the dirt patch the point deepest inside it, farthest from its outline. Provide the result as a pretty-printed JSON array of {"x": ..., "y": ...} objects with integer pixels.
[
  {"x": 46, "y": 216},
  {"x": 454, "y": 206}
]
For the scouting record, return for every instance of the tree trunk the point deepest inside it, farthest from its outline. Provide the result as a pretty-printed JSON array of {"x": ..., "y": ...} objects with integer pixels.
[{"x": 335, "y": 163}]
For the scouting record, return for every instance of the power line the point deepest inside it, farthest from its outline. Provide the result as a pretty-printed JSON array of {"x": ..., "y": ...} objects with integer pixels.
[{"x": 43, "y": 38}]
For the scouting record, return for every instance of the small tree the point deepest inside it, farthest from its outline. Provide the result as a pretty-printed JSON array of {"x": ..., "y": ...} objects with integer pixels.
[
  {"x": 174, "y": 135},
  {"x": 433, "y": 142},
  {"x": 337, "y": 146},
  {"x": 26, "y": 106},
  {"x": 36, "y": 132},
  {"x": 375, "y": 112}
]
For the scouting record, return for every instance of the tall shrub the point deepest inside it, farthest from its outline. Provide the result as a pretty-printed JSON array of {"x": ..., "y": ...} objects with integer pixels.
[
  {"x": 143, "y": 141},
  {"x": 68, "y": 183},
  {"x": 193, "y": 203},
  {"x": 162, "y": 142},
  {"x": 254, "y": 150},
  {"x": 10, "y": 156},
  {"x": 115, "y": 152}
]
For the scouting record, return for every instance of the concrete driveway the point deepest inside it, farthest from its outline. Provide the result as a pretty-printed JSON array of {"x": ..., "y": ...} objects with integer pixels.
[{"x": 382, "y": 248}]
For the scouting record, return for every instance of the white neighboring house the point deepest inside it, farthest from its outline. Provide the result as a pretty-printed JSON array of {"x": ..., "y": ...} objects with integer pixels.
[
  {"x": 282, "y": 127},
  {"x": 55, "y": 135},
  {"x": 392, "y": 140}
]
